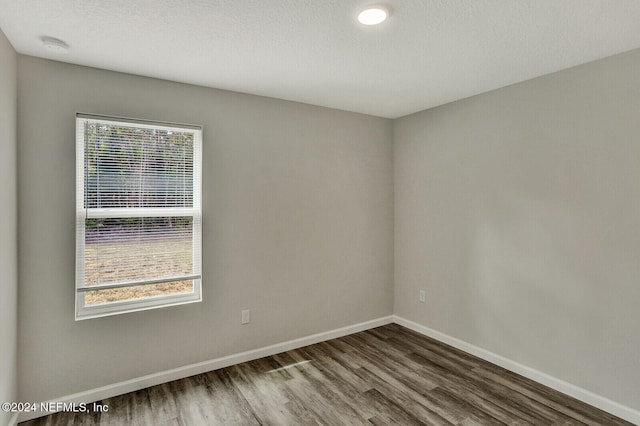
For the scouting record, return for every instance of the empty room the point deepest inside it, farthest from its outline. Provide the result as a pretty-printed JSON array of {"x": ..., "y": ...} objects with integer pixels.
[{"x": 320, "y": 212}]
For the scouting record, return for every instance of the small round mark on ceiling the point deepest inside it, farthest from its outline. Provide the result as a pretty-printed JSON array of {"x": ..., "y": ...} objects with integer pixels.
[{"x": 55, "y": 45}]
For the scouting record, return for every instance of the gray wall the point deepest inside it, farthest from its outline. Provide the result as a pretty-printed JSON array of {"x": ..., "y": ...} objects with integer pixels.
[
  {"x": 8, "y": 226},
  {"x": 518, "y": 211},
  {"x": 298, "y": 227}
]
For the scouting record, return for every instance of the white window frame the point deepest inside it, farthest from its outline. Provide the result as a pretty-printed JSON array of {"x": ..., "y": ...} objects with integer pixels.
[{"x": 120, "y": 307}]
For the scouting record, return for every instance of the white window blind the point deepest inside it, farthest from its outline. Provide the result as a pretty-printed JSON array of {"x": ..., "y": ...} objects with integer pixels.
[{"x": 138, "y": 211}]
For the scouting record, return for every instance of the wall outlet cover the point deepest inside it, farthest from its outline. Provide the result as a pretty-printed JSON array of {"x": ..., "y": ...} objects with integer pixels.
[{"x": 246, "y": 316}]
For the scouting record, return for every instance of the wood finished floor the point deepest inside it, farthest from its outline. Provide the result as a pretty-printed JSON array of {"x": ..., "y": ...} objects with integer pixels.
[{"x": 387, "y": 375}]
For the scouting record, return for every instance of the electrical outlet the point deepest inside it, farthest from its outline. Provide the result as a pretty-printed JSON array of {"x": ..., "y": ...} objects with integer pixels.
[
  {"x": 246, "y": 316},
  {"x": 423, "y": 296}
]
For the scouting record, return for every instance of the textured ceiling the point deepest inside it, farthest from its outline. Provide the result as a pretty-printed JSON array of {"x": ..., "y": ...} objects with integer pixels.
[{"x": 428, "y": 53}]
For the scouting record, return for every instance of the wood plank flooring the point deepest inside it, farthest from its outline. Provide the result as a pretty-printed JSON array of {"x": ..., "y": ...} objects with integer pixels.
[{"x": 387, "y": 375}]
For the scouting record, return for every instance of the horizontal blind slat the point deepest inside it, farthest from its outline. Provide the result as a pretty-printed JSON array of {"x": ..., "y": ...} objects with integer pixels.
[
  {"x": 141, "y": 212},
  {"x": 137, "y": 283}
]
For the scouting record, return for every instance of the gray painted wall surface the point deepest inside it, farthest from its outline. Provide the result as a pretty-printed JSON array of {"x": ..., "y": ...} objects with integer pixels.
[
  {"x": 518, "y": 211},
  {"x": 297, "y": 227},
  {"x": 8, "y": 226}
]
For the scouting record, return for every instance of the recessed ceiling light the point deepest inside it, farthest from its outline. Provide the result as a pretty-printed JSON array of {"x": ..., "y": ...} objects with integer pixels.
[
  {"x": 373, "y": 15},
  {"x": 55, "y": 45}
]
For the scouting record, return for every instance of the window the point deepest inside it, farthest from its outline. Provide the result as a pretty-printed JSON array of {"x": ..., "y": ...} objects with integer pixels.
[{"x": 138, "y": 215}]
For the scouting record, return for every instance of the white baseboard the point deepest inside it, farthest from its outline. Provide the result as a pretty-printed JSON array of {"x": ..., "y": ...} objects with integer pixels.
[
  {"x": 133, "y": 385},
  {"x": 138, "y": 383},
  {"x": 622, "y": 411}
]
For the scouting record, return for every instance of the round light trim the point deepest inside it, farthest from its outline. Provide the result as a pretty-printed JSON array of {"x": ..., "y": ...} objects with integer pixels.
[
  {"x": 373, "y": 16},
  {"x": 55, "y": 45}
]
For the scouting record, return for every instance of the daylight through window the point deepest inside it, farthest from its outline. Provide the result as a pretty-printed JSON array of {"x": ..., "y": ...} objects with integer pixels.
[{"x": 138, "y": 215}]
